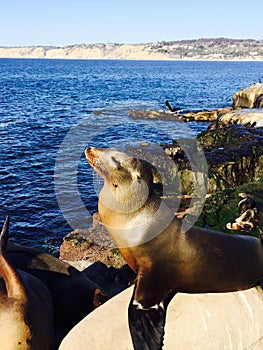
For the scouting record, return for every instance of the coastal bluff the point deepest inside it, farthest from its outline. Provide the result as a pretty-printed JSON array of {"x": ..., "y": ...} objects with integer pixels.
[{"x": 198, "y": 49}]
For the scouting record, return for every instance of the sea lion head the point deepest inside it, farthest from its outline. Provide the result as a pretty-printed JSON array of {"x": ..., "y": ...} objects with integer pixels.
[{"x": 128, "y": 181}]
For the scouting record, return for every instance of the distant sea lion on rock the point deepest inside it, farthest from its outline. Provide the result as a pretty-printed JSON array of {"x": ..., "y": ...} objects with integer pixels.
[
  {"x": 26, "y": 307},
  {"x": 247, "y": 214},
  {"x": 166, "y": 258},
  {"x": 244, "y": 222},
  {"x": 246, "y": 203}
]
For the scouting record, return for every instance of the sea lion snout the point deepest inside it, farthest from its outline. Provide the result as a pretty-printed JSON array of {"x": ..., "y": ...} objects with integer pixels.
[
  {"x": 92, "y": 155},
  {"x": 105, "y": 160}
]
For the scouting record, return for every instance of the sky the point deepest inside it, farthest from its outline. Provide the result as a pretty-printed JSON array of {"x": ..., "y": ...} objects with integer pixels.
[{"x": 68, "y": 22}]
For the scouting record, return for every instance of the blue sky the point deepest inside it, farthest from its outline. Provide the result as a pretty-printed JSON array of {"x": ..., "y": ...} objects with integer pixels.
[{"x": 66, "y": 22}]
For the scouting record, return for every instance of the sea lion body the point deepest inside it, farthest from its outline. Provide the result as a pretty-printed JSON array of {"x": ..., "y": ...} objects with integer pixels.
[
  {"x": 199, "y": 260},
  {"x": 26, "y": 307},
  {"x": 74, "y": 294},
  {"x": 166, "y": 258}
]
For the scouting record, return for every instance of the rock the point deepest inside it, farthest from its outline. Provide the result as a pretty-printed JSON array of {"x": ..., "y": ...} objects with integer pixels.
[
  {"x": 247, "y": 117},
  {"x": 234, "y": 156},
  {"x": 246, "y": 98},
  {"x": 110, "y": 279},
  {"x": 152, "y": 114},
  {"x": 201, "y": 116},
  {"x": 93, "y": 245},
  {"x": 194, "y": 321},
  {"x": 205, "y": 116},
  {"x": 222, "y": 207}
]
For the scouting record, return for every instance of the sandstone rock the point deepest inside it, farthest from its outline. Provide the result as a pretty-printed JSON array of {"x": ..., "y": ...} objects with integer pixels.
[
  {"x": 247, "y": 117},
  {"x": 205, "y": 116},
  {"x": 152, "y": 114},
  {"x": 194, "y": 321},
  {"x": 246, "y": 98},
  {"x": 201, "y": 116}
]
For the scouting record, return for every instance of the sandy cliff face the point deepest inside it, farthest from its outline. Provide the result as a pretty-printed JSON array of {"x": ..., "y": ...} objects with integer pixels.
[
  {"x": 98, "y": 51},
  {"x": 198, "y": 49}
]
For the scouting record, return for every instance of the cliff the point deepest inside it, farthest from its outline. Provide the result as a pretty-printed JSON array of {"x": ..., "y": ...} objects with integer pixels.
[{"x": 200, "y": 49}]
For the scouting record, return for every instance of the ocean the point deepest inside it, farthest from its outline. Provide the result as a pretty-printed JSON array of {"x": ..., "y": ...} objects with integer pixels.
[{"x": 51, "y": 110}]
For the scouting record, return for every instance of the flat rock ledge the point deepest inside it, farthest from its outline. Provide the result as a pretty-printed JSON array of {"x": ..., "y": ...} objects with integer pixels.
[
  {"x": 247, "y": 117},
  {"x": 201, "y": 116},
  {"x": 194, "y": 322}
]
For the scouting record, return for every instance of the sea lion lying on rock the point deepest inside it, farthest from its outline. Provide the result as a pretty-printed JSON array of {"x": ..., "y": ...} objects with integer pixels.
[
  {"x": 74, "y": 295},
  {"x": 166, "y": 258},
  {"x": 26, "y": 307}
]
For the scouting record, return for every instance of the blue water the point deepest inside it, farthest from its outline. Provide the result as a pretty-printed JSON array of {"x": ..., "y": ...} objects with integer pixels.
[{"x": 44, "y": 101}]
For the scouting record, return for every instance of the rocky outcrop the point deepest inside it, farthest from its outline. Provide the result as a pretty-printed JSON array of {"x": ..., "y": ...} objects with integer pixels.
[
  {"x": 247, "y": 117},
  {"x": 223, "y": 207},
  {"x": 246, "y": 98},
  {"x": 234, "y": 156},
  {"x": 194, "y": 321}
]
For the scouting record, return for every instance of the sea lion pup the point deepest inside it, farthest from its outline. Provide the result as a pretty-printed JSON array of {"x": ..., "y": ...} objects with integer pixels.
[
  {"x": 26, "y": 308},
  {"x": 166, "y": 258}
]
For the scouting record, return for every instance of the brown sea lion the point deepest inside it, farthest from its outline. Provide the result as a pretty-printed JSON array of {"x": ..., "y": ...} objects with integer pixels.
[
  {"x": 73, "y": 293},
  {"x": 26, "y": 307},
  {"x": 166, "y": 258}
]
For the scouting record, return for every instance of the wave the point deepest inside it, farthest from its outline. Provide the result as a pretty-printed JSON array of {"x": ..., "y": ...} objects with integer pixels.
[{"x": 7, "y": 124}]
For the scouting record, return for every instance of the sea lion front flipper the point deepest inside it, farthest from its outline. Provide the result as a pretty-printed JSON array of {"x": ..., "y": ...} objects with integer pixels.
[{"x": 147, "y": 325}]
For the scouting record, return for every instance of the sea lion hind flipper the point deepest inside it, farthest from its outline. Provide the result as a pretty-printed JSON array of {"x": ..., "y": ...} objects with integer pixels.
[{"x": 147, "y": 325}]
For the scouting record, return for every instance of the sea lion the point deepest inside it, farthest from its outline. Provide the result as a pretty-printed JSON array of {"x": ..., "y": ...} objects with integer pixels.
[
  {"x": 73, "y": 293},
  {"x": 26, "y": 307},
  {"x": 166, "y": 258},
  {"x": 244, "y": 222},
  {"x": 245, "y": 203}
]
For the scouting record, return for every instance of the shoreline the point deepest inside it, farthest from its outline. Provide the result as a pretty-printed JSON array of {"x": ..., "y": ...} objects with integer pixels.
[
  {"x": 214, "y": 49},
  {"x": 134, "y": 59}
]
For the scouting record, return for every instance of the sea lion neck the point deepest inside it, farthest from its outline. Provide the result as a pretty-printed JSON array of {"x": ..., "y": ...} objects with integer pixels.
[{"x": 134, "y": 228}]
